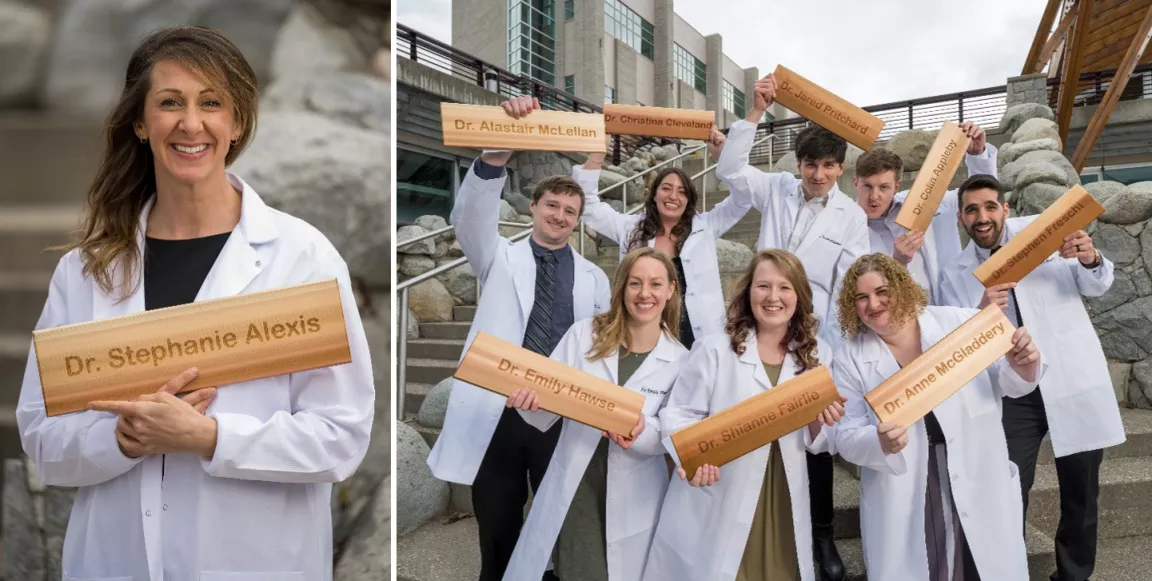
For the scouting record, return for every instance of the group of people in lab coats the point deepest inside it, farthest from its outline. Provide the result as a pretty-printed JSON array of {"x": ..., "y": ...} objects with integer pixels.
[{"x": 834, "y": 283}]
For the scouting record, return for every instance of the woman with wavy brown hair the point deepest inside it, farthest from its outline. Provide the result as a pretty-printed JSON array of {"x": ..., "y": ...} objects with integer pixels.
[
  {"x": 601, "y": 493},
  {"x": 206, "y": 485},
  {"x": 939, "y": 499},
  {"x": 669, "y": 222},
  {"x": 754, "y": 523}
]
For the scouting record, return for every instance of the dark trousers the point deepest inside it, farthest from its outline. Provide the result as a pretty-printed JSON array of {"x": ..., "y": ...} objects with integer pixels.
[
  {"x": 517, "y": 458},
  {"x": 820, "y": 488},
  {"x": 1025, "y": 425}
]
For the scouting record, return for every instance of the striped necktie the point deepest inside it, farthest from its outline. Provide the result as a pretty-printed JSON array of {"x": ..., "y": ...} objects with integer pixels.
[{"x": 538, "y": 332}]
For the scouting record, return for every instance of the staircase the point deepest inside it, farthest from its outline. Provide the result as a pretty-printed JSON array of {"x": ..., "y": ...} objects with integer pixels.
[
  {"x": 446, "y": 550},
  {"x": 46, "y": 165}
]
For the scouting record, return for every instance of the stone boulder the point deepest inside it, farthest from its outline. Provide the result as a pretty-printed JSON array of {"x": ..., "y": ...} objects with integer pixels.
[
  {"x": 415, "y": 264},
  {"x": 1140, "y": 388},
  {"x": 413, "y": 330},
  {"x": 1126, "y": 331},
  {"x": 732, "y": 257},
  {"x": 435, "y": 405},
  {"x": 331, "y": 175},
  {"x": 507, "y": 212},
  {"x": 1132, "y": 205},
  {"x": 590, "y": 248},
  {"x": 367, "y": 555},
  {"x": 609, "y": 179},
  {"x": 1039, "y": 173},
  {"x": 1146, "y": 244},
  {"x": 426, "y": 247},
  {"x": 24, "y": 33},
  {"x": 94, "y": 39},
  {"x": 420, "y": 497},
  {"x": 1012, "y": 151},
  {"x": 1121, "y": 291},
  {"x": 787, "y": 164},
  {"x": 1035, "y": 129},
  {"x": 431, "y": 302},
  {"x": 433, "y": 223},
  {"x": 1016, "y": 115},
  {"x": 912, "y": 147},
  {"x": 357, "y": 100},
  {"x": 1054, "y": 159},
  {"x": 308, "y": 42},
  {"x": 537, "y": 165},
  {"x": 1103, "y": 190},
  {"x": 460, "y": 283},
  {"x": 1112, "y": 241},
  {"x": 1036, "y": 198},
  {"x": 522, "y": 203}
]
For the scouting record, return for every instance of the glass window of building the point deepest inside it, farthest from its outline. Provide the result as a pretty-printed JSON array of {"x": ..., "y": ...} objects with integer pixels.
[
  {"x": 1126, "y": 174},
  {"x": 570, "y": 84},
  {"x": 733, "y": 99},
  {"x": 569, "y": 9},
  {"x": 690, "y": 69},
  {"x": 424, "y": 185},
  {"x": 622, "y": 23},
  {"x": 532, "y": 39},
  {"x": 609, "y": 94}
]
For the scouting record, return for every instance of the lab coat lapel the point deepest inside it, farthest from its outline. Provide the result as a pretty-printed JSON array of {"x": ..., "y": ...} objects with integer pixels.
[
  {"x": 524, "y": 277},
  {"x": 658, "y": 359},
  {"x": 239, "y": 261},
  {"x": 825, "y": 220},
  {"x": 751, "y": 357}
]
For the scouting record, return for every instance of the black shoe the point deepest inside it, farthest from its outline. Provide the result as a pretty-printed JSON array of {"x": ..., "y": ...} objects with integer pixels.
[
  {"x": 549, "y": 576},
  {"x": 828, "y": 562}
]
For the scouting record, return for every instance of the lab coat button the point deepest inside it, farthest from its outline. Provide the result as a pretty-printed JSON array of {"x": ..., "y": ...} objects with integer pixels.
[
  {"x": 147, "y": 513},
  {"x": 257, "y": 263},
  {"x": 165, "y": 507}
]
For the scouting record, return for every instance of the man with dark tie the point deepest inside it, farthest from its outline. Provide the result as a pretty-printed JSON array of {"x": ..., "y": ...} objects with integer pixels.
[{"x": 1075, "y": 402}]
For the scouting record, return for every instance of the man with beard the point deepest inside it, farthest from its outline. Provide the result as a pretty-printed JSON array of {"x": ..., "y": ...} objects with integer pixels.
[
  {"x": 1075, "y": 401},
  {"x": 924, "y": 254},
  {"x": 534, "y": 289}
]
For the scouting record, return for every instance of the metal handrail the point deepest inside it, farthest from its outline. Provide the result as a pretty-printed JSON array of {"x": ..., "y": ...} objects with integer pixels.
[{"x": 405, "y": 286}]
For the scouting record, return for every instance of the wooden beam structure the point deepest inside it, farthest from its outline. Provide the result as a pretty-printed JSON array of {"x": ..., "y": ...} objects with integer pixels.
[
  {"x": 1096, "y": 126},
  {"x": 1070, "y": 83},
  {"x": 1041, "y": 33},
  {"x": 1049, "y": 48}
]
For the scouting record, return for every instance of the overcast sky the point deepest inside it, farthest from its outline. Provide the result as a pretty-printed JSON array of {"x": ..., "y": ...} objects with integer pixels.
[{"x": 867, "y": 51}]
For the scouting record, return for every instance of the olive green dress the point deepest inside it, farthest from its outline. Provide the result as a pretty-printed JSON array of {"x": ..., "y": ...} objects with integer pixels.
[
  {"x": 770, "y": 553},
  {"x": 581, "y": 549}
]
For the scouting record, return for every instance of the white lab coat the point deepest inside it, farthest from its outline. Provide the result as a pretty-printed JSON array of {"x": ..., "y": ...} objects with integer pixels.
[
  {"x": 637, "y": 477},
  {"x": 508, "y": 273},
  {"x": 942, "y": 240},
  {"x": 836, "y": 239},
  {"x": 259, "y": 510},
  {"x": 985, "y": 484},
  {"x": 705, "y": 297},
  {"x": 1079, "y": 401},
  {"x": 702, "y": 531}
]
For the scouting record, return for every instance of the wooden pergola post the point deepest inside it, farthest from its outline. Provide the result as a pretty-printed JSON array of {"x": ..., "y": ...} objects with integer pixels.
[{"x": 1070, "y": 83}]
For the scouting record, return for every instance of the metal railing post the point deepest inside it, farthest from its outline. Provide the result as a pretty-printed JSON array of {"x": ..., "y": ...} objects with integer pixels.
[{"x": 402, "y": 355}]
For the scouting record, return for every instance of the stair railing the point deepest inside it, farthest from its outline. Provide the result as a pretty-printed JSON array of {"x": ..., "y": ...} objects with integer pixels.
[{"x": 404, "y": 287}]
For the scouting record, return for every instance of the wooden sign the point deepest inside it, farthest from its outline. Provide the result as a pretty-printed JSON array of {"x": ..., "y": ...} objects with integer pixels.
[
  {"x": 485, "y": 127},
  {"x": 820, "y": 106},
  {"x": 947, "y": 366},
  {"x": 658, "y": 121},
  {"x": 756, "y": 421},
  {"x": 1040, "y": 238},
  {"x": 229, "y": 340},
  {"x": 500, "y": 366},
  {"x": 932, "y": 182}
]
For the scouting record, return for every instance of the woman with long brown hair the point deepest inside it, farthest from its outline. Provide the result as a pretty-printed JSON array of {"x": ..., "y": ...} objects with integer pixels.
[
  {"x": 754, "y": 523},
  {"x": 600, "y": 495},
  {"x": 670, "y": 223},
  {"x": 939, "y": 499},
  {"x": 234, "y": 484}
]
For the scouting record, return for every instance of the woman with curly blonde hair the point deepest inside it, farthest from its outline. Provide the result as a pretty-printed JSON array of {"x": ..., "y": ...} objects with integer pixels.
[
  {"x": 600, "y": 496},
  {"x": 754, "y": 524},
  {"x": 939, "y": 500}
]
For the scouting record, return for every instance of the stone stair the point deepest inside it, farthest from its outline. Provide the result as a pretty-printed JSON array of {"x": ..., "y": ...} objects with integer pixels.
[{"x": 46, "y": 165}]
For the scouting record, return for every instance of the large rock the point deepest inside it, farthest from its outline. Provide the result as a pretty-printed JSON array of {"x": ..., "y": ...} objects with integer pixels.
[
  {"x": 420, "y": 497},
  {"x": 522, "y": 203},
  {"x": 23, "y": 541},
  {"x": 636, "y": 164},
  {"x": 1130, "y": 322},
  {"x": 1036, "y": 128},
  {"x": 368, "y": 553},
  {"x": 787, "y": 164},
  {"x": 460, "y": 283},
  {"x": 425, "y": 247},
  {"x": 24, "y": 33},
  {"x": 1130, "y": 206},
  {"x": 590, "y": 249},
  {"x": 431, "y": 302},
  {"x": 435, "y": 405},
  {"x": 1113, "y": 242},
  {"x": 1121, "y": 291},
  {"x": 912, "y": 147},
  {"x": 1016, "y": 115},
  {"x": 433, "y": 223},
  {"x": 413, "y": 324},
  {"x": 1012, "y": 170},
  {"x": 94, "y": 39},
  {"x": 332, "y": 176},
  {"x": 310, "y": 43},
  {"x": 415, "y": 264},
  {"x": 1146, "y": 246},
  {"x": 609, "y": 179},
  {"x": 1036, "y": 198},
  {"x": 507, "y": 212},
  {"x": 1014, "y": 150},
  {"x": 1039, "y": 173},
  {"x": 358, "y": 100},
  {"x": 1142, "y": 376},
  {"x": 733, "y": 257},
  {"x": 537, "y": 165},
  {"x": 1103, "y": 190}
]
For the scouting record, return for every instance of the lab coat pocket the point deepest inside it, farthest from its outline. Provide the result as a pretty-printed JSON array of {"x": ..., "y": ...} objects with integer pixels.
[
  {"x": 690, "y": 509},
  {"x": 979, "y": 397},
  {"x": 245, "y": 576},
  {"x": 644, "y": 483}
]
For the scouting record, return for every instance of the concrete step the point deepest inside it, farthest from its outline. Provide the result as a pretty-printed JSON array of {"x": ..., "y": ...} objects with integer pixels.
[
  {"x": 429, "y": 370},
  {"x": 26, "y": 233},
  {"x": 452, "y": 330},
  {"x": 415, "y": 398},
  {"x": 1137, "y": 428},
  {"x": 463, "y": 314},
  {"x": 447, "y": 349},
  {"x": 13, "y": 359},
  {"x": 22, "y": 297},
  {"x": 1125, "y": 498},
  {"x": 46, "y": 159}
]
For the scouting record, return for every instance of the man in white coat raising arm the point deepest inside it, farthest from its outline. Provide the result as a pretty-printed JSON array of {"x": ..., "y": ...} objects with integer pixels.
[
  {"x": 809, "y": 217},
  {"x": 924, "y": 254},
  {"x": 1075, "y": 401},
  {"x": 534, "y": 289}
]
